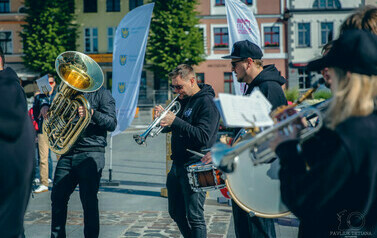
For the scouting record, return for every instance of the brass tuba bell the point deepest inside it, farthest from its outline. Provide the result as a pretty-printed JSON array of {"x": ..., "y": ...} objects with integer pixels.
[{"x": 79, "y": 74}]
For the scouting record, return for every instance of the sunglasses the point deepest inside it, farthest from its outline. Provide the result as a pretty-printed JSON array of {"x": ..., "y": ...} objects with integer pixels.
[
  {"x": 234, "y": 63},
  {"x": 178, "y": 87}
]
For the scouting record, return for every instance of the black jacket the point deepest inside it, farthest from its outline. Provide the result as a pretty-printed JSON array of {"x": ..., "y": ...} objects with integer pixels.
[
  {"x": 195, "y": 126},
  {"x": 103, "y": 120},
  {"x": 41, "y": 100},
  {"x": 17, "y": 153},
  {"x": 269, "y": 82},
  {"x": 338, "y": 193}
]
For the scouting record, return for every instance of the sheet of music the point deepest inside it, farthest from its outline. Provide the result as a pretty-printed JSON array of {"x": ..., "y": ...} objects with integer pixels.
[
  {"x": 43, "y": 84},
  {"x": 245, "y": 111}
]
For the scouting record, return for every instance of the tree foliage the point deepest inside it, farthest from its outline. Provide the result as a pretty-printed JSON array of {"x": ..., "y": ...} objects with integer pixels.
[
  {"x": 174, "y": 37},
  {"x": 49, "y": 31}
]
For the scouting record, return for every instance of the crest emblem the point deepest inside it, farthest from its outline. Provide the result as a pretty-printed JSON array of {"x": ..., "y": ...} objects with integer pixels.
[
  {"x": 121, "y": 87},
  {"x": 123, "y": 59},
  {"x": 188, "y": 112},
  {"x": 125, "y": 33}
]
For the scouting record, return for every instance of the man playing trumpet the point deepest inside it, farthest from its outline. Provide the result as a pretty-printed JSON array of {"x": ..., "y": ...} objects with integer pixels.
[{"x": 194, "y": 127}]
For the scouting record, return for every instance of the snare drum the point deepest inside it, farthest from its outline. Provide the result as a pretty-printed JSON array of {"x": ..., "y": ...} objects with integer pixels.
[{"x": 205, "y": 177}]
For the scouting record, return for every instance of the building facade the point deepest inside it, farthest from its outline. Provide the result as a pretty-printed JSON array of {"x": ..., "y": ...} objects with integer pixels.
[
  {"x": 11, "y": 18},
  {"x": 270, "y": 17},
  {"x": 311, "y": 25}
]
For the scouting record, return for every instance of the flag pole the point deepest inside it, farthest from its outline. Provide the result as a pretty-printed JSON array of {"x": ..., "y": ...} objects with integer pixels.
[{"x": 110, "y": 182}]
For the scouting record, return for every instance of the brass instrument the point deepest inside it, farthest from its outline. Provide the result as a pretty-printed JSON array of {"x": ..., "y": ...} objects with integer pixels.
[
  {"x": 223, "y": 155},
  {"x": 154, "y": 128},
  {"x": 256, "y": 189},
  {"x": 79, "y": 74}
]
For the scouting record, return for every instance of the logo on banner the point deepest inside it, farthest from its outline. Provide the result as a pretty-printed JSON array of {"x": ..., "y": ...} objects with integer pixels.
[
  {"x": 125, "y": 33},
  {"x": 122, "y": 59},
  {"x": 243, "y": 26},
  {"x": 121, "y": 87}
]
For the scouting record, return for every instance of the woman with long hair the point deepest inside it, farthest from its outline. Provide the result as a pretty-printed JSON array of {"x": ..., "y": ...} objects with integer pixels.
[{"x": 330, "y": 181}]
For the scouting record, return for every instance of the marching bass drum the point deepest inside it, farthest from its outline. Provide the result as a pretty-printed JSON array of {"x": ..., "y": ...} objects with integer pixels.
[{"x": 256, "y": 189}]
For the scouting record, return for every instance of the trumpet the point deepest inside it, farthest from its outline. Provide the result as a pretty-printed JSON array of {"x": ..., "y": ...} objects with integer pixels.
[
  {"x": 224, "y": 156},
  {"x": 154, "y": 128}
]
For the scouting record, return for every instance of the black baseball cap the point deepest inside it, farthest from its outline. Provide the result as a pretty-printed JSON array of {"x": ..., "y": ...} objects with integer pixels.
[
  {"x": 244, "y": 49},
  {"x": 354, "y": 51}
]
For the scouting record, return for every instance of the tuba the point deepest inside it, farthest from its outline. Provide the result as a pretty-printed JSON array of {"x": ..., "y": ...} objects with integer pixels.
[{"x": 79, "y": 74}]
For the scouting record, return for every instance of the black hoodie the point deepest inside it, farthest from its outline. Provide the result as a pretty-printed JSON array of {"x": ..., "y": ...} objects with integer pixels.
[
  {"x": 16, "y": 154},
  {"x": 195, "y": 126},
  {"x": 269, "y": 82}
]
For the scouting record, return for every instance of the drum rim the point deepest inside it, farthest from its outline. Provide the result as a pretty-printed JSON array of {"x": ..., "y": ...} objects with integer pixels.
[{"x": 247, "y": 209}]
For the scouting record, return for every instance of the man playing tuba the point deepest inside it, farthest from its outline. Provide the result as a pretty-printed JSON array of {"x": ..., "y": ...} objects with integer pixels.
[{"x": 82, "y": 163}]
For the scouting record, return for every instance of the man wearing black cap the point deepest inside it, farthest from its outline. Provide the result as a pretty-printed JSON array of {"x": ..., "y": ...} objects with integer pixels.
[
  {"x": 329, "y": 181},
  {"x": 248, "y": 65}
]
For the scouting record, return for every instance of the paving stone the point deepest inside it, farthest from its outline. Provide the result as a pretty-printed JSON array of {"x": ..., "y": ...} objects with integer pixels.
[
  {"x": 155, "y": 235},
  {"x": 131, "y": 234}
]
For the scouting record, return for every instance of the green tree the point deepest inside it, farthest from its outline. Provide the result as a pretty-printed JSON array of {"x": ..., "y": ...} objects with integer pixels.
[
  {"x": 174, "y": 36},
  {"x": 49, "y": 31}
]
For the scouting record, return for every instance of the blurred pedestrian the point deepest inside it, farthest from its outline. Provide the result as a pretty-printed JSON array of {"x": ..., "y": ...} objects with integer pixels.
[
  {"x": 41, "y": 102},
  {"x": 328, "y": 181},
  {"x": 16, "y": 153}
]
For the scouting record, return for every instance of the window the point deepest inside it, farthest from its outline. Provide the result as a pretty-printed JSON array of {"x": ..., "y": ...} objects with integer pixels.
[
  {"x": 110, "y": 38},
  {"x": 202, "y": 33},
  {"x": 91, "y": 40},
  {"x": 304, "y": 34},
  {"x": 228, "y": 83},
  {"x": 90, "y": 5},
  {"x": 200, "y": 77},
  {"x": 303, "y": 79},
  {"x": 327, "y": 4},
  {"x": 113, "y": 5},
  {"x": 326, "y": 32},
  {"x": 271, "y": 36},
  {"x": 135, "y": 3},
  {"x": 221, "y": 37},
  {"x": 6, "y": 42},
  {"x": 222, "y": 2},
  {"x": 247, "y": 2},
  {"x": 4, "y": 6}
]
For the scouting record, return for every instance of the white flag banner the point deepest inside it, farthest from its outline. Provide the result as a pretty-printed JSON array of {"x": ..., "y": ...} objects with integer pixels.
[
  {"x": 128, "y": 58},
  {"x": 242, "y": 25}
]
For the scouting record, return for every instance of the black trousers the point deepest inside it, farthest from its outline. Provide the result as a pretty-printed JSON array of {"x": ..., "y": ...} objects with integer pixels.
[
  {"x": 186, "y": 207},
  {"x": 83, "y": 169},
  {"x": 246, "y": 226}
]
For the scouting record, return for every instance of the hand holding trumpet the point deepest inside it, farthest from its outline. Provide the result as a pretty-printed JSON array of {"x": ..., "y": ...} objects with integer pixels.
[{"x": 167, "y": 120}]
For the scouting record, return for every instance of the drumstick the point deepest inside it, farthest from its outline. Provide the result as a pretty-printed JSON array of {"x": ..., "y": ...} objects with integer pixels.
[{"x": 195, "y": 153}]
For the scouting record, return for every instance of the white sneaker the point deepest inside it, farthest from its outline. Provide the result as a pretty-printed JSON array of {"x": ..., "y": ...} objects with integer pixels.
[
  {"x": 49, "y": 181},
  {"x": 36, "y": 180},
  {"x": 41, "y": 189}
]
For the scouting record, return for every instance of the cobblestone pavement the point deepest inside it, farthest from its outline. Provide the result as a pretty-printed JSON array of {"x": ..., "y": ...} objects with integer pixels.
[{"x": 141, "y": 224}]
